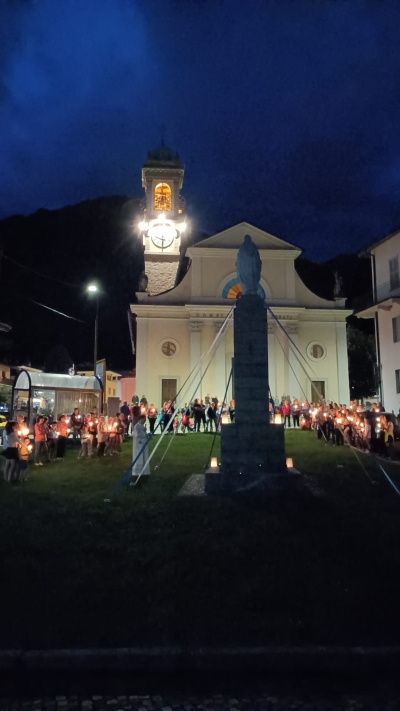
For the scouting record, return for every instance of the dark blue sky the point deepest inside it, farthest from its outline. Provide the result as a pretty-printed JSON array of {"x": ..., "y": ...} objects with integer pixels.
[{"x": 286, "y": 113}]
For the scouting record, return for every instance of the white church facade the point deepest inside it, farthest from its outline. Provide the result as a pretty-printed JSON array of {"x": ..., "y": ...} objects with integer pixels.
[{"x": 179, "y": 316}]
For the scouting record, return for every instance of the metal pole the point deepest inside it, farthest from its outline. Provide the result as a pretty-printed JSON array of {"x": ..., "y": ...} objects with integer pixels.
[{"x": 96, "y": 330}]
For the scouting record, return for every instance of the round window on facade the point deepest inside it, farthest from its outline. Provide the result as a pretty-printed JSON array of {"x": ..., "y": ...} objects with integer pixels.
[
  {"x": 316, "y": 351},
  {"x": 169, "y": 348}
]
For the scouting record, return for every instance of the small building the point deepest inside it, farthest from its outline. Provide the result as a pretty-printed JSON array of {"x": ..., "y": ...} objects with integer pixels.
[
  {"x": 51, "y": 394},
  {"x": 111, "y": 385},
  {"x": 5, "y": 372},
  {"x": 128, "y": 388},
  {"x": 5, "y": 389},
  {"x": 384, "y": 308}
]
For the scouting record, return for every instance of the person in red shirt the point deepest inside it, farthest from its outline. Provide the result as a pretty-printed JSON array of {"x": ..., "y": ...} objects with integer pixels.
[
  {"x": 286, "y": 412},
  {"x": 62, "y": 432},
  {"x": 40, "y": 442}
]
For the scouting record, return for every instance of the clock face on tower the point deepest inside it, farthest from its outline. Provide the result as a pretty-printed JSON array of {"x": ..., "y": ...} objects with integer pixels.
[{"x": 162, "y": 235}]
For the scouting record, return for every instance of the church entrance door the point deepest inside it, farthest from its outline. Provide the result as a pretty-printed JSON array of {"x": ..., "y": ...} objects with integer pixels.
[
  {"x": 168, "y": 389},
  {"x": 317, "y": 390}
]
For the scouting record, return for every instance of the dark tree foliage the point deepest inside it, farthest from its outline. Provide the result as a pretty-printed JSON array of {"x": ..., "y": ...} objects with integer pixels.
[
  {"x": 354, "y": 271},
  {"x": 58, "y": 360},
  {"x": 362, "y": 363},
  {"x": 94, "y": 239},
  {"x": 357, "y": 286}
]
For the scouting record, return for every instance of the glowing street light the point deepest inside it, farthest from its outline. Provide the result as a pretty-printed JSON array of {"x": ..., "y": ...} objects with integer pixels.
[{"x": 94, "y": 289}]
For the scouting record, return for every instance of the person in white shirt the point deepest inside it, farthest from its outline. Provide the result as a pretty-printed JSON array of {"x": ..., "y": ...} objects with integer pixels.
[{"x": 140, "y": 440}]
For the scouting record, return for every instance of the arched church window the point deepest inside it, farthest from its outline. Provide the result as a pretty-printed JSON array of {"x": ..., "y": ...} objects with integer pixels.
[
  {"x": 233, "y": 290},
  {"x": 162, "y": 197}
]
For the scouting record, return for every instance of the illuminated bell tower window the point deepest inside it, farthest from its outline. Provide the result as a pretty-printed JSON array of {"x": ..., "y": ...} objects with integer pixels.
[{"x": 162, "y": 197}]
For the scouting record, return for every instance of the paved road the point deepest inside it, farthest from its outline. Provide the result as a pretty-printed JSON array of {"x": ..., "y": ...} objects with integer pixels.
[{"x": 166, "y": 702}]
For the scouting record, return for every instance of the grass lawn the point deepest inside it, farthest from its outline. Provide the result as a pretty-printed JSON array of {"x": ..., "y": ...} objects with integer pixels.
[{"x": 152, "y": 568}]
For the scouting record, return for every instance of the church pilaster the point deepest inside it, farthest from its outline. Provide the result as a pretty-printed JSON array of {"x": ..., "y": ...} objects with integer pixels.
[
  {"x": 195, "y": 328},
  {"x": 271, "y": 359},
  {"x": 295, "y": 380},
  {"x": 220, "y": 362}
]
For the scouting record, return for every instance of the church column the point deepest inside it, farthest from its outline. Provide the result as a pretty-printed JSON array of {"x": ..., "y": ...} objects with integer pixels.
[
  {"x": 342, "y": 364},
  {"x": 220, "y": 364},
  {"x": 142, "y": 335},
  {"x": 271, "y": 359},
  {"x": 295, "y": 379},
  {"x": 195, "y": 355}
]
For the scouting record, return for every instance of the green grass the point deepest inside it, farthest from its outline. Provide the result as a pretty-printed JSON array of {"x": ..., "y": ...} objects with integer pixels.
[{"x": 152, "y": 568}]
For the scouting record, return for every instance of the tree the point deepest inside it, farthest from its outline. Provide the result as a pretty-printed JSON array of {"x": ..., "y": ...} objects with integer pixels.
[
  {"x": 58, "y": 360},
  {"x": 362, "y": 363}
]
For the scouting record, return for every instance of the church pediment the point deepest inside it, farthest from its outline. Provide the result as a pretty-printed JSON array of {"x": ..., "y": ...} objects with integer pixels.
[{"x": 233, "y": 237}]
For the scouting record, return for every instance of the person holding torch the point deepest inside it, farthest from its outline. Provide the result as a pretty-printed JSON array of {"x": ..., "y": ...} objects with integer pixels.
[{"x": 76, "y": 423}]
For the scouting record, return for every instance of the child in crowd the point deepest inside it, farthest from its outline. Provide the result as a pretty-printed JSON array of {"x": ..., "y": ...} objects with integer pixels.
[
  {"x": 111, "y": 437},
  {"x": 25, "y": 449},
  {"x": 102, "y": 436},
  {"x": 62, "y": 431},
  {"x": 120, "y": 429},
  {"x": 51, "y": 441},
  {"x": 10, "y": 451},
  {"x": 86, "y": 441}
]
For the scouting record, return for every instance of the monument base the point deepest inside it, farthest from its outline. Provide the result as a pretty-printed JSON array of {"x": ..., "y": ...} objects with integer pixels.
[
  {"x": 253, "y": 449},
  {"x": 252, "y": 462},
  {"x": 272, "y": 485}
]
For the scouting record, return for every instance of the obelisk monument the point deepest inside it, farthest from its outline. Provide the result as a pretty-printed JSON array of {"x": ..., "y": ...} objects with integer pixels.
[{"x": 252, "y": 448}]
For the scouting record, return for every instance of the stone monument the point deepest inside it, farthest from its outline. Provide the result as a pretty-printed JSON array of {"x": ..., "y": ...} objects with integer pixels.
[{"x": 252, "y": 449}]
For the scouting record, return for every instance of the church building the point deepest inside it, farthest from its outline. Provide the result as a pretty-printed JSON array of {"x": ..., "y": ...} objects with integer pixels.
[{"x": 189, "y": 292}]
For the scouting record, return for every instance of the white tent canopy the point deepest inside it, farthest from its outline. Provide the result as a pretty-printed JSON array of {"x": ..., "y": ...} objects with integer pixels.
[{"x": 53, "y": 381}]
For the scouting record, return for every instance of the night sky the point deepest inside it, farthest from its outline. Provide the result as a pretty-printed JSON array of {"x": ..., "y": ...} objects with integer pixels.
[{"x": 286, "y": 114}]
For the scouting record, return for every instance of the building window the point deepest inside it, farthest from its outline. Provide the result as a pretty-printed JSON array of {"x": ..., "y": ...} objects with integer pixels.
[
  {"x": 316, "y": 351},
  {"x": 397, "y": 374},
  {"x": 109, "y": 391},
  {"x": 396, "y": 329},
  {"x": 169, "y": 348},
  {"x": 233, "y": 290},
  {"x": 162, "y": 197},
  {"x": 394, "y": 276}
]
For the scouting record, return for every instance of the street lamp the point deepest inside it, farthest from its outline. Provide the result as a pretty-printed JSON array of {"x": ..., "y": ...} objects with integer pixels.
[{"x": 93, "y": 289}]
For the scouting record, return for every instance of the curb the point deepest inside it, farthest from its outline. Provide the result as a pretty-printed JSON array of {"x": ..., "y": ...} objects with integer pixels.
[{"x": 288, "y": 660}]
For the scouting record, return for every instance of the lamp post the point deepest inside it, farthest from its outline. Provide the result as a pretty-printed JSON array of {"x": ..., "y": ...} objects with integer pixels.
[{"x": 93, "y": 289}]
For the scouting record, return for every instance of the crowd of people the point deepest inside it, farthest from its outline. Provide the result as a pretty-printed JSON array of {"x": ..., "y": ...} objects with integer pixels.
[
  {"x": 371, "y": 431},
  {"x": 200, "y": 415},
  {"x": 92, "y": 432}
]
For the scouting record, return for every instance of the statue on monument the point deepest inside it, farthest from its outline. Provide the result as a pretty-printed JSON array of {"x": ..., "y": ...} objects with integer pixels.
[
  {"x": 143, "y": 281},
  {"x": 338, "y": 288},
  {"x": 248, "y": 266}
]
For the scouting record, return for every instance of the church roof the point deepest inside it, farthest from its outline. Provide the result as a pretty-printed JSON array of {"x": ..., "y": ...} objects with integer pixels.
[
  {"x": 233, "y": 237},
  {"x": 162, "y": 157}
]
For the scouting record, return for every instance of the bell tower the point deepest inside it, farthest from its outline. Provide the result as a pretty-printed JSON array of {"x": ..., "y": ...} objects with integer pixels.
[{"x": 163, "y": 218}]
